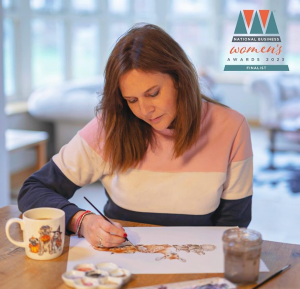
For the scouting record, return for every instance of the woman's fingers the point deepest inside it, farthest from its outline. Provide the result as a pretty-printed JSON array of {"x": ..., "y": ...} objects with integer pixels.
[
  {"x": 111, "y": 235},
  {"x": 109, "y": 240},
  {"x": 95, "y": 227},
  {"x": 111, "y": 228},
  {"x": 118, "y": 225},
  {"x": 121, "y": 227}
]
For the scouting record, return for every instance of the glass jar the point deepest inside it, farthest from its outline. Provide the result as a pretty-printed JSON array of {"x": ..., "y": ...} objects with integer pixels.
[{"x": 242, "y": 249}]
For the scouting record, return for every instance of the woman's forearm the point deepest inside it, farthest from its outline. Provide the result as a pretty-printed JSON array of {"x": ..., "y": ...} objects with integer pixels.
[
  {"x": 48, "y": 187},
  {"x": 71, "y": 226}
]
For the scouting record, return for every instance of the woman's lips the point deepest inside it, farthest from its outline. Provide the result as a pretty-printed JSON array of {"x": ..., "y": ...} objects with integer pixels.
[{"x": 155, "y": 120}]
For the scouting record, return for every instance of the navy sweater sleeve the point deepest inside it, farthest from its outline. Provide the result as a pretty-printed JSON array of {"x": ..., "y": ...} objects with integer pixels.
[
  {"x": 233, "y": 213},
  {"x": 48, "y": 187}
]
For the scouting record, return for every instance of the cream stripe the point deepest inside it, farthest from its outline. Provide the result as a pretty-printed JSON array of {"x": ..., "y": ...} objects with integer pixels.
[
  {"x": 239, "y": 183},
  {"x": 79, "y": 163},
  {"x": 180, "y": 193},
  {"x": 193, "y": 193},
  {"x": 158, "y": 192}
]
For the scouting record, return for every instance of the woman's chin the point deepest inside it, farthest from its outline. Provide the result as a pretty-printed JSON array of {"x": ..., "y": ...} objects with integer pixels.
[{"x": 160, "y": 127}]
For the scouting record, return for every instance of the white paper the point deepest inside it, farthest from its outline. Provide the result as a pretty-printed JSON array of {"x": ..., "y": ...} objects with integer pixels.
[{"x": 144, "y": 263}]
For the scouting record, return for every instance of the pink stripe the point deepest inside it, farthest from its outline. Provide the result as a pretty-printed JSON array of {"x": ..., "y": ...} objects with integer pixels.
[
  {"x": 212, "y": 152},
  {"x": 224, "y": 138},
  {"x": 242, "y": 147},
  {"x": 90, "y": 133}
]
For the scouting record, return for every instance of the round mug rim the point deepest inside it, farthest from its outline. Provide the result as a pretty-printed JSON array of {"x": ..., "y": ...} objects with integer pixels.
[{"x": 43, "y": 208}]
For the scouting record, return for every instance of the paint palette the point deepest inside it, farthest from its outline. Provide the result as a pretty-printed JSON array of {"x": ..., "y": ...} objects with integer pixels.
[{"x": 98, "y": 276}]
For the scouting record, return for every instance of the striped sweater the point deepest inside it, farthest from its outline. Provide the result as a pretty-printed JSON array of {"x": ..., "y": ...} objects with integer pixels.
[{"x": 210, "y": 184}]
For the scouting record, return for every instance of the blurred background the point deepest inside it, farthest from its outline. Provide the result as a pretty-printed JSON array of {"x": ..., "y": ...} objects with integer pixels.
[{"x": 53, "y": 55}]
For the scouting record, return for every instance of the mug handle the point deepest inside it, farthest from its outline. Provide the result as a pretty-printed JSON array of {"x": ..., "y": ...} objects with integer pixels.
[{"x": 8, "y": 224}]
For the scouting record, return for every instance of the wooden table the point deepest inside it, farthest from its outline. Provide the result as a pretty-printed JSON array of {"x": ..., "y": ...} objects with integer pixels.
[{"x": 19, "y": 271}]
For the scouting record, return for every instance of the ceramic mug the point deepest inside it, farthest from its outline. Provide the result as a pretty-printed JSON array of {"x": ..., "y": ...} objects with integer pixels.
[{"x": 43, "y": 233}]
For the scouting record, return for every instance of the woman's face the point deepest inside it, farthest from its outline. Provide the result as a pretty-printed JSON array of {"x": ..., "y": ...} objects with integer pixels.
[{"x": 150, "y": 96}]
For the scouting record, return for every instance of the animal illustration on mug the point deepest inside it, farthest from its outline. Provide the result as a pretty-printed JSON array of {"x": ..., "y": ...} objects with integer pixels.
[
  {"x": 167, "y": 250},
  {"x": 56, "y": 240},
  {"x": 45, "y": 239},
  {"x": 34, "y": 245}
]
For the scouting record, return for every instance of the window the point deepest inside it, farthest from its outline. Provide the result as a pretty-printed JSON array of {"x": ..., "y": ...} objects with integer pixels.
[
  {"x": 46, "y": 6},
  {"x": 118, "y": 7},
  {"x": 233, "y": 7},
  {"x": 87, "y": 6},
  {"x": 85, "y": 52},
  {"x": 9, "y": 52},
  {"x": 49, "y": 41},
  {"x": 47, "y": 47},
  {"x": 9, "y": 59}
]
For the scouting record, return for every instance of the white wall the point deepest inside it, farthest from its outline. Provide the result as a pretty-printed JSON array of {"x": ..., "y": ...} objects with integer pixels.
[
  {"x": 4, "y": 169},
  {"x": 239, "y": 98}
]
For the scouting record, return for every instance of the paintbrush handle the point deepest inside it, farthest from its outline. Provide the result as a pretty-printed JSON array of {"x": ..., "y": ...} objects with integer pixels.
[
  {"x": 108, "y": 220},
  {"x": 272, "y": 276},
  {"x": 102, "y": 215},
  {"x": 99, "y": 212}
]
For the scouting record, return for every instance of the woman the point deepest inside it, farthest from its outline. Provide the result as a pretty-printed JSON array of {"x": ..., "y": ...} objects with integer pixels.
[{"x": 165, "y": 153}]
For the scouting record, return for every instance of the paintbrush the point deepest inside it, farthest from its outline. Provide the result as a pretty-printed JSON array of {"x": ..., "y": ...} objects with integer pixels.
[
  {"x": 108, "y": 220},
  {"x": 272, "y": 276}
]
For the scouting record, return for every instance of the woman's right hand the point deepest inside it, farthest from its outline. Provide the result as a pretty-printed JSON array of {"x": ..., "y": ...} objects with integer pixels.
[{"x": 95, "y": 227}]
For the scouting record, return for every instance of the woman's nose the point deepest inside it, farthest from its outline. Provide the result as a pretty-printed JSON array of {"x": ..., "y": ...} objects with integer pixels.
[{"x": 146, "y": 107}]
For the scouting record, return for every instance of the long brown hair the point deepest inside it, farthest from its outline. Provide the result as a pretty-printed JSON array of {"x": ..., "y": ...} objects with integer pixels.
[{"x": 148, "y": 48}]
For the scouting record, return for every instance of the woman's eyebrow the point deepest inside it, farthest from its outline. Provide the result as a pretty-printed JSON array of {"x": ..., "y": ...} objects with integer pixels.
[{"x": 144, "y": 92}]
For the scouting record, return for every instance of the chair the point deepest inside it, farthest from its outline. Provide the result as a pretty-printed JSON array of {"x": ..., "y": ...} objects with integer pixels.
[
  {"x": 69, "y": 105},
  {"x": 279, "y": 99}
]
